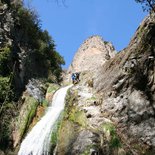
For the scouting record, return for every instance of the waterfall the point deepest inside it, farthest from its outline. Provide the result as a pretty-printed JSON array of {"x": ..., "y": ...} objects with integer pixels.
[{"x": 37, "y": 142}]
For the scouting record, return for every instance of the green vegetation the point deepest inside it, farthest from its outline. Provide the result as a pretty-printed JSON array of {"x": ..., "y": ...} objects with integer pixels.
[
  {"x": 110, "y": 131},
  {"x": 5, "y": 57},
  {"x": 78, "y": 117},
  {"x": 52, "y": 88},
  {"x": 71, "y": 98},
  {"x": 66, "y": 136},
  {"x": 72, "y": 112},
  {"x": 55, "y": 132},
  {"x": 44, "y": 53},
  {"x": 93, "y": 98},
  {"x": 29, "y": 111},
  {"x": 31, "y": 51},
  {"x": 44, "y": 103},
  {"x": 4, "y": 88},
  {"x": 6, "y": 93},
  {"x": 42, "y": 60},
  {"x": 7, "y": 108},
  {"x": 54, "y": 137},
  {"x": 5, "y": 124},
  {"x": 60, "y": 124},
  {"x": 73, "y": 121}
]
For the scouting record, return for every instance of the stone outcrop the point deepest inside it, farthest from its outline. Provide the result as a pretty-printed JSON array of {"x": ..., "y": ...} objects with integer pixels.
[
  {"x": 127, "y": 85},
  {"x": 31, "y": 98},
  {"x": 84, "y": 129},
  {"x": 92, "y": 53},
  {"x": 112, "y": 109},
  {"x": 34, "y": 103}
]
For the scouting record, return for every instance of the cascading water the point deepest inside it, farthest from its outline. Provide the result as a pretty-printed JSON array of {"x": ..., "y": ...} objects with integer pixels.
[{"x": 37, "y": 142}]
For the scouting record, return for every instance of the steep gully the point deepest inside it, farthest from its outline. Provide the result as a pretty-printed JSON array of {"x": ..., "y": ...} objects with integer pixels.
[{"x": 126, "y": 85}]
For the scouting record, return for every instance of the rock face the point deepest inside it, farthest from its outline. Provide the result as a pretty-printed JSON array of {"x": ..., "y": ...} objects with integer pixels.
[
  {"x": 31, "y": 98},
  {"x": 127, "y": 84},
  {"x": 116, "y": 116},
  {"x": 92, "y": 53},
  {"x": 84, "y": 129}
]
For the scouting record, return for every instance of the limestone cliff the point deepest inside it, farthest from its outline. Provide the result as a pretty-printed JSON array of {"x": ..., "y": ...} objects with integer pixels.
[
  {"x": 91, "y": 54},
  {"x": 127, "y": 85},
  {"x": 111, "y": 111}
]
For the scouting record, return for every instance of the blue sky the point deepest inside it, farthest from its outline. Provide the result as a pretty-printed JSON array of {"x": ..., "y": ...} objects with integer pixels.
[{"x": 114, "y": 20}]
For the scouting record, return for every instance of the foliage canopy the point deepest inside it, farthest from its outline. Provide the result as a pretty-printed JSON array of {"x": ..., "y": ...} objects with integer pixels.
[{"x": 148, "y": 5}]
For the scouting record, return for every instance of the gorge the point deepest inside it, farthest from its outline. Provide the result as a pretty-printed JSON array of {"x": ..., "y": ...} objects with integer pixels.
[{"x": 110, "y": 111}]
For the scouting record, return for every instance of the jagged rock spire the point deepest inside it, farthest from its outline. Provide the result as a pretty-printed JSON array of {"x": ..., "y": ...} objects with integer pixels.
[{"x": 92, "y": 53}]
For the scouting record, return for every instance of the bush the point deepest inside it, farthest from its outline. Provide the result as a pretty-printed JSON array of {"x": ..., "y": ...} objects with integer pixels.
[
  {"x": 114, "y": 139},
  {"x": 4, "y": 88},
  {"x": 40, "y": 42},
  {"x": 5, "y": 58}
]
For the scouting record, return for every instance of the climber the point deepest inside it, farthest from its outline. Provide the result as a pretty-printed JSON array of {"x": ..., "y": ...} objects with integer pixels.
[
  {"x": 77, "y": 77},
  {"x": 73, "y": 78}
]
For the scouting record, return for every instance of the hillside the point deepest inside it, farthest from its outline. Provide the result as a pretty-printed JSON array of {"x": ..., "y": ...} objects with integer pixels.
[
  {"x": 111, "y": 111},
  {"x": 127, "y": 84},
  {"x": 29, "y": 62}
]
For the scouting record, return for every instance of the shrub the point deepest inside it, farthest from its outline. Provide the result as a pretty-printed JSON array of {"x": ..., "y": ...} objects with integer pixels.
[
  {"x": 4, "y": 88},
  {"x": 5, "y": 58}
]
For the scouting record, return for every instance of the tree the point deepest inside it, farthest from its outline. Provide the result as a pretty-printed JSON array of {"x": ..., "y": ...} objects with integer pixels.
[{"x": 148, "y": 5}]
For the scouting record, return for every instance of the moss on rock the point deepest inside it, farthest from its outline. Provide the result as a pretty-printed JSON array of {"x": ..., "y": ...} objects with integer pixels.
[
  {"x": 66, "y": 136},
  {"x": 74, "y": 120},
  {"x": 52, "y": 88},
  {"x": 55, "y": 132},
  {"x": 78, "y": 116},
  {"x": 25, "y": 117}
]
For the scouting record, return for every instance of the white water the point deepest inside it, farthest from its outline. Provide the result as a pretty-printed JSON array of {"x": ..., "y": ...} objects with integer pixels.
[{"x": 37, "y": 142}]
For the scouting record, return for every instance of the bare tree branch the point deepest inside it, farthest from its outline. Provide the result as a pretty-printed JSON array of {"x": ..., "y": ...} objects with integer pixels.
[{"x": 148, "y": 5}]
